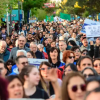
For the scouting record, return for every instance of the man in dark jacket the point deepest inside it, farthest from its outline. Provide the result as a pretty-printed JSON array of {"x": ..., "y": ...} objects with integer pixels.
[
  {"x": 4, "y": 53},
  {"x": 38, "y": 54},
  {"x": 21, "y": 46}
]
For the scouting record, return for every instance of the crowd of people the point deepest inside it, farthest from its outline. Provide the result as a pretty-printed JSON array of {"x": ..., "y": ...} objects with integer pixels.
[{"x": 71, "y": 72}]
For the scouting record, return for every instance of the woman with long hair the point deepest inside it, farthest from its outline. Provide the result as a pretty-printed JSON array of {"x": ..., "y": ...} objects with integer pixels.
[
  {"x": 30, "y": 77},
  {"x": 44, "y": 69},
  {"x": 54, "y": 58},
  {"x": 73, "y": 87}
]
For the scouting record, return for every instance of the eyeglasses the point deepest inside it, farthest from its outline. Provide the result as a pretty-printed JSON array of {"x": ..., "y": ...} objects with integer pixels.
[
  {"x": 71, "y": 57},
  {"x": 97, "y": 65},
  {"x": 82, "y": 87},
  {"x": 90, "y": 75},
  {"x": 24, "y": 63},
  {"x": 45, "y": 68}
]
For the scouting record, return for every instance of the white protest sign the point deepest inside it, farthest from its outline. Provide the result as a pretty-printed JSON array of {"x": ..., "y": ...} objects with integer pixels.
[
  {"x": 93, "y": 31},
  {"x": 36, "y": 62},
  {"x": 89, "y": 22}
]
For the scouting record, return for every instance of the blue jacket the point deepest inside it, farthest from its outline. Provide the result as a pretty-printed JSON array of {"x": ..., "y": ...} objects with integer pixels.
[
  {"x": 14, "y": 70},
  {"x": 6, "y": 55}
]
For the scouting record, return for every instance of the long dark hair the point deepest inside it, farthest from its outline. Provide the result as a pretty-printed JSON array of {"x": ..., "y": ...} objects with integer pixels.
[
  {"x": 51, "y": 50},
  {"x": 64, "y": 90},
  {"x": 11, "y": 78}
]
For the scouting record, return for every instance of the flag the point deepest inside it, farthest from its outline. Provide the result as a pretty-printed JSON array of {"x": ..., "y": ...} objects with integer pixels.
[
  {"x": 65, "y": 16},
  {"x": 49, "y": 18}
]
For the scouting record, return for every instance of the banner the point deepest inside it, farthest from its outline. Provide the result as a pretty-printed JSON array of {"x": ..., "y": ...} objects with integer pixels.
[
  {"x": 49, "y": 5},
  {"x": 49, "y": 18},
  {"x": 65, "y": 16},
  {"x": 36, "y": 62},
  {"x": 92, "y": 31},
  {"x": 88, "y": 22}
]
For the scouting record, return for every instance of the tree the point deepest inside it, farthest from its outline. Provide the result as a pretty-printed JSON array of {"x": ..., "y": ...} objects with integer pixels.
[
  {"x": 91, "y": 6},
  {"x": 29, "y": 4},
  {"x": 5, "y": 6}
]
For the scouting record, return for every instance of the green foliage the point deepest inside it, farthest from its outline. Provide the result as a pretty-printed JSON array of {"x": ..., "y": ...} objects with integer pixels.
[
  {"x": 90, "y": 6},
  {"x": 5, "y": 6},
  {"x": 41, "y": 14},
  {"x": 32, "y": 4}
]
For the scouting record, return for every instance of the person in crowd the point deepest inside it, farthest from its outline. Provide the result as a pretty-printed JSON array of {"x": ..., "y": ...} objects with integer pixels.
[
  {"x": 40, "y": 48},
  {"x": 97, "y": 48},
  {"x": 89, "y": 72},
  {"x": 4, "y": 53},
  {"x": 46, "y": 45},
  {"x": 93, "y": 95},
  {"x": 21, "y": 53},
  {"x": 96, "y": 65},
  {"x": 85, "y": 44},
  {"x": 84, "y": 62},
  {"x": 53, "y": 44},
  {"x": 4, "y": 95},
  {"x": 73, "y": 87},
  {"x": 33, "y": 48},
  {"x": 40, "y": 37},
  {"x": 3, "y": 34},
  {"x": 29, "y": 37},
  {"x": 54, "y": 58},
  {"x": 92, "y": 83},
  {"x": 68, "y": 57},
  {"x": 21, "y": 45},
  {"x": 15, "y": 87},
  {"x": 20, "y": 61},
  {"x": 8, "y": 41},
  {"x": 9, "y": 65},
  {"x": 30, "y": 77},
  {"x": 45, "y": 84},
  {"x": 84, "y": 52},
  {"x": 23, "y": 30},
  {"x": 71, "y": 43},
  {"x": 3, "y": 69},
  {"x": 30, "y": 54},
  {"x": 77, "y": 53},
  {"x": 62, "y": 48},
  {"x": 70, "y": 68}
]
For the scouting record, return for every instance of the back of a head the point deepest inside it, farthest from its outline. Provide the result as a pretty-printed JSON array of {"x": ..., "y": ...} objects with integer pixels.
[{"x": 21, "y": 52}]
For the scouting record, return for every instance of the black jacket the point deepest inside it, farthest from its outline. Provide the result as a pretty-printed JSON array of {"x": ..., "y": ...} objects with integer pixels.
[
  {"x": 50, "y": 88},
  {"x": 39, "y": 55}
]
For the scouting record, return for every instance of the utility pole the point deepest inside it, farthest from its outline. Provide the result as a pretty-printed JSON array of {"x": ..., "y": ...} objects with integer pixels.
[
  {"x": 19, "y": 14},
  {"x": 7, "y": 21},
  {"x": 10, "y": 28}
]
